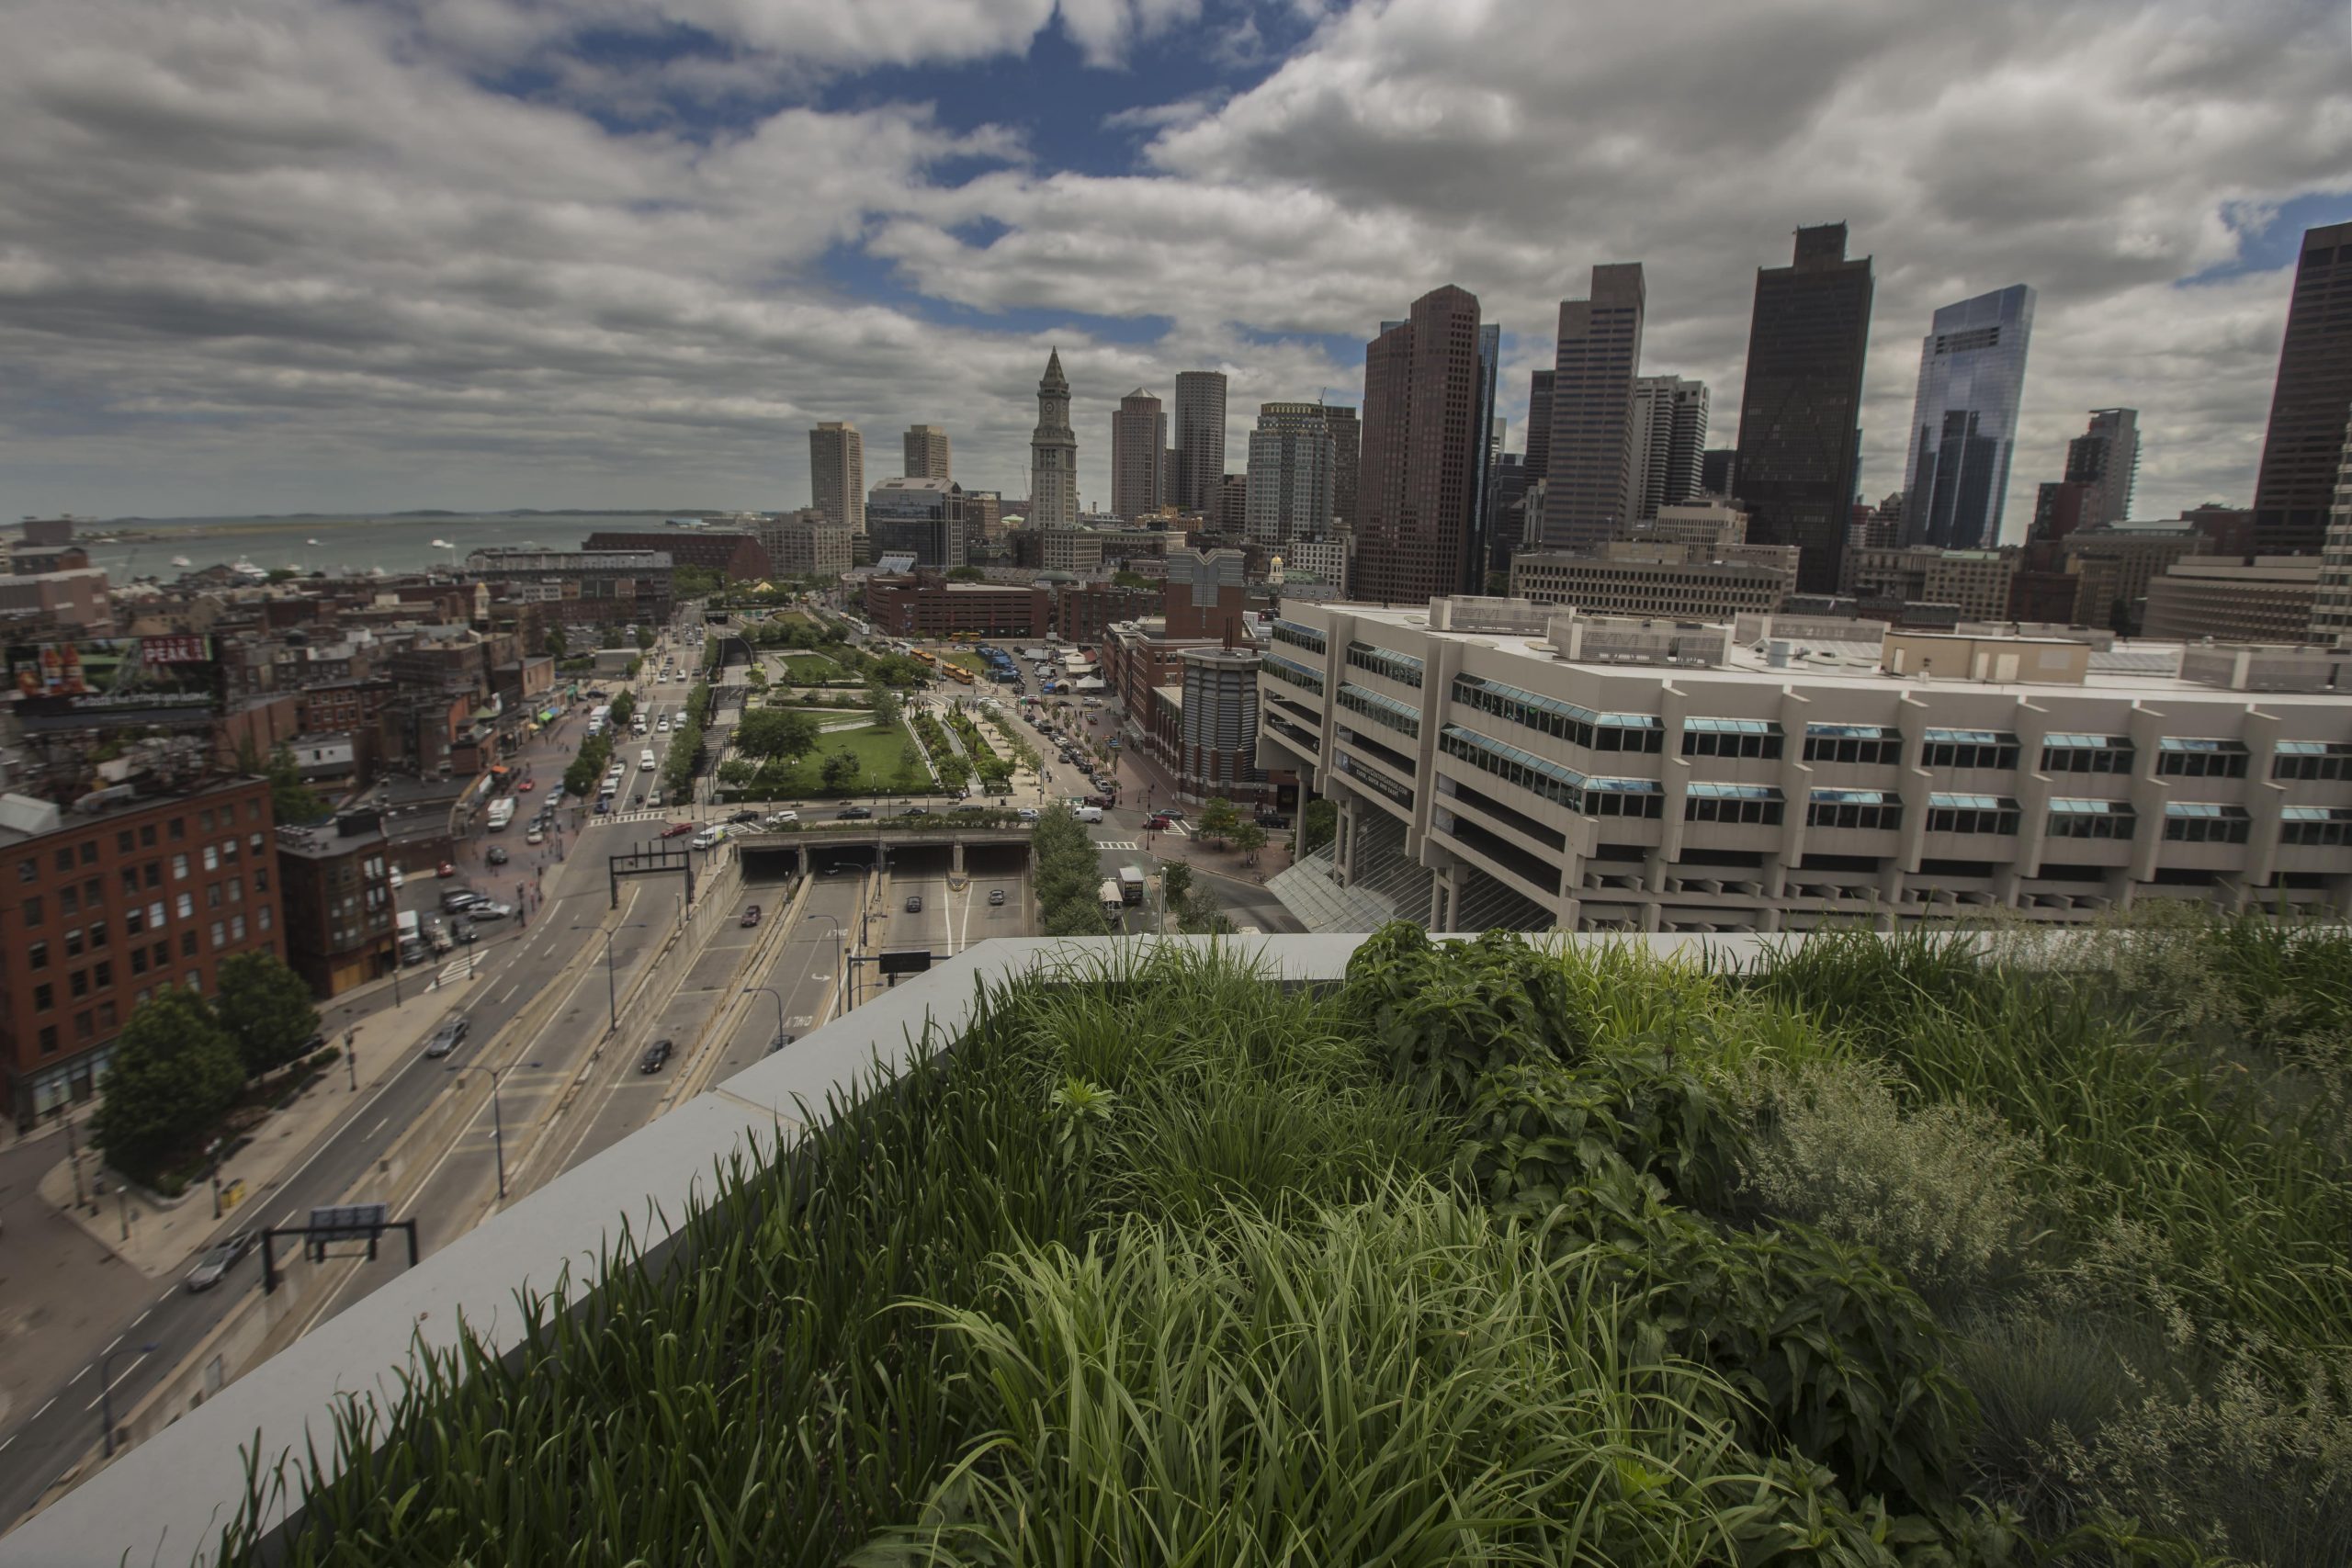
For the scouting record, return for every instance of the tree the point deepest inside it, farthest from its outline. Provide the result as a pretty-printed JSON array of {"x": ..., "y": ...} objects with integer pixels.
[
  {"x": 289, "y": 797},
  {"x": 624, "y": 709},
  {"x": 1176, "y": 886},
  {"x": 266, "y": 1009},
  {"x": 1318, "y": 824},
  {"x": 174, "y": 1071},
  {"x": 1077, "y": 917},
  {"x": 840, "y": 771},
  {"x": 1219, "y": 819},
  {"x": 1250, "y": 839},
  {"x": 775, "y": 732},
  {"x": 966, "y": 575},
  {"x": 911, "y": 773},
  {"x": 557, "y": 643},
  {"x": 645, "y": 637},
  {"x": 1131, "y": 580},
  {"x": 888, "y": 709}
]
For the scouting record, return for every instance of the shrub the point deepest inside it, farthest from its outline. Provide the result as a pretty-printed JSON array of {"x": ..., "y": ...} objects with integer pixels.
[{"x": 1445, "y": 1014}]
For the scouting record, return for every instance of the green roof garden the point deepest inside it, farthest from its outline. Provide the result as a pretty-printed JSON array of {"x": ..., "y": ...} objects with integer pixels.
[{"x": 1933, "y": 1249}]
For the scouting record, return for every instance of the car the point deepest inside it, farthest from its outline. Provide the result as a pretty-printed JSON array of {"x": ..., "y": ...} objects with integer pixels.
[
  {"x": 535, "y": 835},
  {"x": 396, "y": 878},
  {"x": 752, "y": 818},
  {"x": 218, "y": 1259},
  {"x": 677, "y": 830},
  {"x": 656, "y": 1055},
  {"x": 914, "y": 903},
  {"x": 783, "y": 818},
  {"x": 497, "y": 855},
  {"x": 1160, "y": 822},
  {"x": 781, "y": 1040},
  {"x": 447, "y": 870},
  {"x": 527, "y": 786},
  {"x": 486, "y": 911},
  {"x": 1095, "y": 800},
  {"x": 462, "y": 930},
  {"x": 456, "y": 899},
  {"x": 752, "y": 915},
  {"x": 854, "y": 813},
  {"x": 1272, "y": 819},
  {"x": 916, "y": 811},
  {"x": 665, "y": 726},
  {"x": 708, "y": 839},
  {"x": 996, "y": 898},
  {"x": 604, "y": 804},
  {"x": 447, "y": 1038}
]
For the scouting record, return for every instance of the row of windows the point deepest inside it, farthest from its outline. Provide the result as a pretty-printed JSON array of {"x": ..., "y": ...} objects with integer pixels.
[
  {"x": 1565, "y": 721},
  {"x": 1298, "y": 636},
  {"x": 1731, "y": 738},
  {"x": 1401, "y": 666},
  {"x": 1971, "y": 814},
  {"x": 157, "y": 956},
  {"x": 1299, "y": 675},
  {"x": 128, "y": 840},
  {"x": 1381, "y": 709},
  {"x": 1378, "y": 782},
  {"x": 1753, "y": 804}
]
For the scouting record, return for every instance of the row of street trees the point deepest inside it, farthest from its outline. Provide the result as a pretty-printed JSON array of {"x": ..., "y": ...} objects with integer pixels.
[{"x": 182, "y": 1060}]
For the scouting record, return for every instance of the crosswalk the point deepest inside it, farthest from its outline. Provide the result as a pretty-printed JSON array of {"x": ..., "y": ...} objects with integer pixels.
[{"x": 1117, "y": 845}]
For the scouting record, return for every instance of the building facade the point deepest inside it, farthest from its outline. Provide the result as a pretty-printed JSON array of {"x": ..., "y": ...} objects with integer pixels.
[
  {"x": 1670, "y": 580},
  {"x": 807, "y": 543},
  {"x": 1138, "y": 456},
  {"x": 1798, "y": 459},
  {"x": 928, "y": 455},
  {"x": 1200, "y": 439},
  {"x": 1889, "y": 782},
  {"x": 918, "y": 517},
  {"x": 1978, "y": 583},
  {"x": 1539, "y": 425},
  {"x": 837, "y": 473},
  {"x": 1292, "y": 459},
  {"x": 2311, "y": 404},
  {"x": 1964, "y": 421},
  {"x": 1053, "y": 453},
  {"x": 335, "y": 884},
  {"x": 2105, "y": 460},
  {"x": 739, "y": 556},
  {"x": 1347, "y": 454},
  {"x": 583, "y": 587},
  {"x": 114, "y": 900},
  {"x": 1421, "y": 450},
  {"x": 2267, "y": 599},
  {"x": 1589, "y": 484},
  {"x": 2332, "y": 601},
  {"x": 1670, "y": 436},
  {"x": 923, "y": 605}
]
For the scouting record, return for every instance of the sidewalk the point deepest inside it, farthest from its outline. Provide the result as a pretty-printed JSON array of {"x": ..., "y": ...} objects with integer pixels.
[{"x": 164, "y": 1240}]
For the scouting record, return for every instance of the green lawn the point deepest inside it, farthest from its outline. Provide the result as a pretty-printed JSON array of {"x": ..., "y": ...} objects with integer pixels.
[
  {"x": 971, "y": 661},
  {"x": 812, "y": 670},
  {"x": 877, "y": 751}
]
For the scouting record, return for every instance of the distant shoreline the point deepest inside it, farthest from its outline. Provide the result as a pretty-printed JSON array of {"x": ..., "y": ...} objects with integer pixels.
[{"x": 110, "y": 525}]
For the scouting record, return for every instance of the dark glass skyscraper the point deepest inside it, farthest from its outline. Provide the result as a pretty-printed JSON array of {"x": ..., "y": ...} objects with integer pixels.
[
  {"x": 1964, "y": 421},
  {"x": 1491, "y": 355},
  {"x": 1423, "y": 447},
  {"x": 1798, "y": 439},
  {"x": 1538, "y": 425},
  {"x": 1199, "y": 432},
  {"x": 2308, "y": 405}
]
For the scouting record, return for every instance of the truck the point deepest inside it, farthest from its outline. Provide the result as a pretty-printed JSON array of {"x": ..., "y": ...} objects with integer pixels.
[
  {"x": 502, "y": 812},
  {"x": 1131, "y": 883},
  {"x": 412, "y": 945},
  {"x": 1112, "y": 899}
]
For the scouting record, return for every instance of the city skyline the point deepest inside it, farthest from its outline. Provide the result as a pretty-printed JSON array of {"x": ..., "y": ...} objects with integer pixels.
[{"x": 700, "y": 243}]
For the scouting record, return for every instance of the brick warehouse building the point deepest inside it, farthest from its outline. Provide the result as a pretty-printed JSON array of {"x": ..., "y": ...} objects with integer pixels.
[
  {"x": 739, "y": 556},
  {"x": 102, "y": 907}
]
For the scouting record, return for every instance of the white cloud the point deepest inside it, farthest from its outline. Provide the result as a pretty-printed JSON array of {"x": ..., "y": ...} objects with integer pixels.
[{"x": 293, "y": 252}]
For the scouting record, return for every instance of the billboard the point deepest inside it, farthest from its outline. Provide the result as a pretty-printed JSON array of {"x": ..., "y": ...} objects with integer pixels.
[{"x": 131, "y": 680}]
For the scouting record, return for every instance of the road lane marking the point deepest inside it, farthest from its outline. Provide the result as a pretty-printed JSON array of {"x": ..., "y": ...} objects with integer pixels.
[
  {"x": 76, "y": 1378},
  {"x": 111, "y": 1343},
  {"x": 142, "y": 1317},
  {"x": 44, "y": 1409},
  {"x": 510, "y": 993},
  {"x": 378, "y": 1126}
]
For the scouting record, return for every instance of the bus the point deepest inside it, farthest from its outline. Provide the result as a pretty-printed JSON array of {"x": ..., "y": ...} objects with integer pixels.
[
  {"x": 957, "y": 672},
  {"x": 922, "y": 653},
  {"x": 502, "y": 812}
]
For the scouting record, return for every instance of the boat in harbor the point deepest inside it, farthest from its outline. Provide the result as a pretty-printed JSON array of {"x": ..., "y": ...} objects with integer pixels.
[
  {"x": 182, "y": 562},
  {"x": 245, "y": 568}
]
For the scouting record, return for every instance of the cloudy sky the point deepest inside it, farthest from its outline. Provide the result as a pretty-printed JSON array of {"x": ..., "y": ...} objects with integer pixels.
[{"x": 264, "y": 255}]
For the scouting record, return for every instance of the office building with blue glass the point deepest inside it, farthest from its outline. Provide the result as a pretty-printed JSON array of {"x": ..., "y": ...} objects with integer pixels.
[{"x": 1965, "y": 423}]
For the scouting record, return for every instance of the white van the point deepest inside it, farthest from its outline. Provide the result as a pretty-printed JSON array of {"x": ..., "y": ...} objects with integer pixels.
[
  {"x": 709, "y": 838},
  {"x": 645, "y": 759},
  {"x": 1087, "y": 813}
]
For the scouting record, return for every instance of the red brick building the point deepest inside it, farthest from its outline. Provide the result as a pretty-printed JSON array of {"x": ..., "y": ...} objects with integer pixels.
[
  {"x": 103, "y": 907},
  {"x": 927, "y": 605},
  {"x": 740, "y": 556},
  {"x": 339, "y": 904}
]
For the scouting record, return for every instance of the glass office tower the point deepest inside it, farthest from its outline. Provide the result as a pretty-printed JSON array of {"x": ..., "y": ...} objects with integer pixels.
[{"x": 1964, "y": 422}]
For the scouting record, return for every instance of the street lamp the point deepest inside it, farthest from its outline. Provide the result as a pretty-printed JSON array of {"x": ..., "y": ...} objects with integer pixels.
[
  {"x": 775, "y": 996},
  {"x": 105, "y": 1389},
  {"x": 612, "y": 992},
  {"x": 497, "y": 1124},
  {"x": 841, "y": 967}
]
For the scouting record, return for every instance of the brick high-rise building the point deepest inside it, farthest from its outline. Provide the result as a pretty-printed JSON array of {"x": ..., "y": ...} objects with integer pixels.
[
  {"x": 837, "y": 473},
  {"x": 1138, "y": 456},
  {"x": 2310, "y": 404},
  {"x": 1590, "y": 489},
  {"x": 1800, "y": 410},
  {"x": 2105, "y": 460},
  {"x": 1423, "y": 447},
  {"x": 1199, "y": 431},
  {"x": 927, "y": 453}
]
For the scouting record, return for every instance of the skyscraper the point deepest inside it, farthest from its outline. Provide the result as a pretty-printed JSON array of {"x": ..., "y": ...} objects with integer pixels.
[
  {"x": 837, "y": 473},
  {"x": 2105, "y": 460},
  {"x": 1138, "y": 456},
  {"x": 1795, "y": 468},
  {"x": 1053, "y": 453},
  {"x": 1290, "y": 475},
  {"x": 1200, "y": 439},
  {"x": 1347, "y": 446},
  {"x": 1422, "y": 443},
  {"x": 1669, "y": 438},
  {"x": 1538, "y": 425},
  {"x": 1589, "y": 493},
  {"x": 2310, "y": 402},
  {"x": 2332, "y": 604},
  {"x": 1490, "y": 442},
  {"x": 1964, "y": 421},
  {"x": 927, "y": 454},
  {"x": 1717, "y": 470}
]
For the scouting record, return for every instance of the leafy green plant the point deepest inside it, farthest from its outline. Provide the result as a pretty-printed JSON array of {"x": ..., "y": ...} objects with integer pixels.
[{"x": 1444, "y": 1015}]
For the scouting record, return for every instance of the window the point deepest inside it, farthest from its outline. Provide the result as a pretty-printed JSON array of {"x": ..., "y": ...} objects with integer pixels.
[
  {"x": 139, "y": 960},
  {"x": 89, "y": 851},
  {"x": 195, "y": 978},
  {"x": 69, "y": 900},
  {"x": 1548, "y": 715},
  {"x": 163, "y": 954},
  {"x": 187, "y": 944},
  {"x": 85, "y": 1026},
  {"x": 65, "y": 857},
  {"x": 155, "y": 873},
  {"x": 2312, "y": 759},
  {"x": 2205, "y": 822},
  {"x": 236, "y": 928},
  {"x": 1394, "y": 666},
  {"x": 36, "y": 955},
  {"x": 1730, "y": 738},
  {"x": 147, "y": 835},
  {"x": 1971, "y": 814},
  {"x": 1300, "y": 636},
  {"x": 1868, "y": 808},
  {"x": 204, "y": 820},
  {"x": 97, "y": 935},
  {"x": 44, "y": 996},
  {"x": 2315, "y": 825},
  {"x": 211, "y": 858},
  {"x": 1968, "y": 748},
  {"x": 134, "y": 920},
  {"x": 1297, "y": 675},
  {"x": 237, "y": 891},
  {"x": 1559, "y": 784},
  {"x": 1733, "y": 803},
  {"x": 155, "y": 916},
  {"x": 1403, "y": 718},
  {"x": 228, "y": 851},
  {"x": 78, "y": 983},
  {"x": 27, "y": 870},
  {"x": 92, "y": 895},
  {"x": 213, "y": 895},
  {"x": 179, "y": 868},
  {"x": 1868, "y": 744},
  {"x": 34, "y": 914},
  {"x": 102, "y": 974},
  {"x": 1624, "y": 797},
  {"x": 261, "y": 882},
  {"x": 131, "y": 880},
  {"x": 263, "y": 920},
  {"x": 220, "y": 933},
  {"x": 74, "y": 942},
  {"x": 177, "y": 827},
  {"x": 2187, "y": 757},
  {"x": 185, "y": 906},
  {"x": 48, "y": 1039},
  {"x": 107, "y": 1017},
  {"x": 122, "y": 842}
]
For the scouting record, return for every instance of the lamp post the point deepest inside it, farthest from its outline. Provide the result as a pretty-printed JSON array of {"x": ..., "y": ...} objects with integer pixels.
[
  {"x": 612, "y": 989},
  {"x": 841, "y": 957},
  {"x": 777, "y": 999},
  {"x": 497, "y": 1125},
  {"x": 105, "y": 1390}
]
